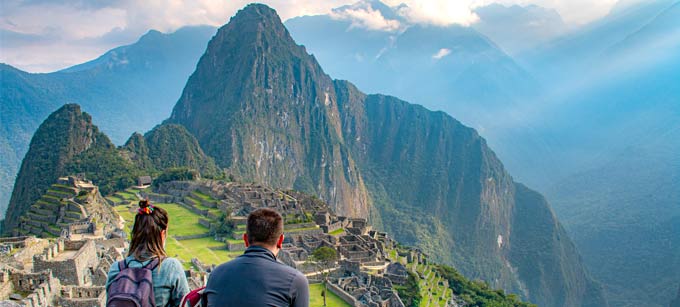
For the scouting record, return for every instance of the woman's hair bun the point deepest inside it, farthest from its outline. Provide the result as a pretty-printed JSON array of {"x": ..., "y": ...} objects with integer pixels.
[{"x": 144, "y": 203}]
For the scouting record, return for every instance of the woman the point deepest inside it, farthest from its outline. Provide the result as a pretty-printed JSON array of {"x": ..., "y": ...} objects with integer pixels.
[{"x": 148, "y": 248}]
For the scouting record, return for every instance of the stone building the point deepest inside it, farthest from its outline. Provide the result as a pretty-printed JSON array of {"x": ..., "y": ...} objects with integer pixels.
[{"x": 64, "y": 273}]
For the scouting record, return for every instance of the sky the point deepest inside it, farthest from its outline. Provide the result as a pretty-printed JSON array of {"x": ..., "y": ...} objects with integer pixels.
[{"x": 48, "y": 35}]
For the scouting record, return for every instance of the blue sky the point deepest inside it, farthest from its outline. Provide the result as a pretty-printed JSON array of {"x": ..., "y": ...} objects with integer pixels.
[{"x": 45, "y": 35}]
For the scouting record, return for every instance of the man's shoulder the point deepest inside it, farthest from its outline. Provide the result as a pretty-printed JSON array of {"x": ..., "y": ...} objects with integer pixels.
[{"x": 285, "y": 268}]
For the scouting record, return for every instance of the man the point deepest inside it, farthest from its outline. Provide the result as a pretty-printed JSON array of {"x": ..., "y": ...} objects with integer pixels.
[{"x": 256, "y": 278}]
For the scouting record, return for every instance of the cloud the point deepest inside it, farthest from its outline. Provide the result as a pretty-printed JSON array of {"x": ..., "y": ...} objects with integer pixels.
[
  {"x": 366, "y": 18},
  {"x": 441, "y": 53},
  {"x": 436, "y": 12}
]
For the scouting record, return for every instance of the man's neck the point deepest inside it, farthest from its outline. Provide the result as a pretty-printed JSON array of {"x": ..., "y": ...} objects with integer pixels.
[{"x": 272, "y": 249}]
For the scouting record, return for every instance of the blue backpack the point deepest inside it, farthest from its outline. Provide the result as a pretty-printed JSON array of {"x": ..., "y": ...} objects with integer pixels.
[{"x": 132, "y": 287}]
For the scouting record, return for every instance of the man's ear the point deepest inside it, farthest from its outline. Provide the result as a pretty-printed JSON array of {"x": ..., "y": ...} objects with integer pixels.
[
  {"x": 245, "y": 239},
  {"x": 279, "y": 243}
]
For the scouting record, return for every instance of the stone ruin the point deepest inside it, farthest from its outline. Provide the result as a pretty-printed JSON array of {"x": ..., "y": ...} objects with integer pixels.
[
  {"x": 70, "y": 208},
  {"x": 64, "y": 273},
  {"x": 238, "y": 198}
]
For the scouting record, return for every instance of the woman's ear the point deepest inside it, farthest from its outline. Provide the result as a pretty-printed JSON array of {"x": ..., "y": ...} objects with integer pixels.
[{"x": 245, "y": 239}]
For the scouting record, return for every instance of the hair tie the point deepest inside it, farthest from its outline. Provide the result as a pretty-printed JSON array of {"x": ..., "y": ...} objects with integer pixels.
[{"x": 146, "y": 210}]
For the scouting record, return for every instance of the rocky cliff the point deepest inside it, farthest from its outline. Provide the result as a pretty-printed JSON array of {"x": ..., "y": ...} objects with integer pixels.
[{"x": 263, "y": 108}]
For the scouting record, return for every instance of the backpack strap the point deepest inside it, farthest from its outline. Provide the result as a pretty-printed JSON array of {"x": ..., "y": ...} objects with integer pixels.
[
  {"x": 122, "y": 265},
  {"x": 153, "y": 264}
]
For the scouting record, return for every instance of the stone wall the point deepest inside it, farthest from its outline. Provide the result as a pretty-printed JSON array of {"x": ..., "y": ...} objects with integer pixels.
[
  {"x": 82, "y": 297},
  {"x": 349, "y": 299},
  {"x": 71, "y": 271},
  {"x": 204, "y": 222},
  {"x": 43, "y": 288},
  {"x": 189, "y": 237},
  {"x": 311, "y": 232},
  {"x": 236, "y": 246}
]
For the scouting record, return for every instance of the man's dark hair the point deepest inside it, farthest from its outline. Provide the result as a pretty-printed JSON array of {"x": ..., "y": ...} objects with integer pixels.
[{"x": 264, "y": 226}]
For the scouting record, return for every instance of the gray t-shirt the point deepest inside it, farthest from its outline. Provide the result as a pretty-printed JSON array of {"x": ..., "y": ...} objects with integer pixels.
[{"x": 257, "y": 279}]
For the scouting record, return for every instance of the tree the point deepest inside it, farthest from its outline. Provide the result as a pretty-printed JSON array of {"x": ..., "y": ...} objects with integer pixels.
[{"x": 324, "y": 258}]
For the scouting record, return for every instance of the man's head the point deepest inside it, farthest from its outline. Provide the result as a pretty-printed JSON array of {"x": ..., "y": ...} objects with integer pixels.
[{"x": 264, "y": 228}]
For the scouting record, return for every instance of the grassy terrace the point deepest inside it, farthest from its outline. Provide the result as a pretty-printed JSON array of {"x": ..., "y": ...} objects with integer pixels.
[
  {"x": 114, "y": 199},
  {"x": 430, "y": 286},
  {"x": 126, "y": 195},
  {"x": 199, "y": 205},
  {"x": 203, "y": 196},
  {"x": 316, "y": 300},
  {"x": 201, "y": 249}
]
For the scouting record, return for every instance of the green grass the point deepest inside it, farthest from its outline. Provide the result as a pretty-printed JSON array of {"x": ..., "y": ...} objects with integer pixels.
[
  {"x": 302, "y": 229},
  {"x": 126, "y": 195},
  {"x": 316, "y": 300},
  {"x": 182, "y": 221},
  {"x": 114, "y": 199},
  {"x": 198, "y": 248},
  {"x": 203, "y": 196},
  {"x": 337, "y": 232}
]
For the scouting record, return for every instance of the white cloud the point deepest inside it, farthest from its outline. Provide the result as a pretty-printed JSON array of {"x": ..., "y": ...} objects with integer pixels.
[
  {"x": 441, "y": 53},
  {"x": 437, "y": 12},
  {"x": 366, "y": 18}
]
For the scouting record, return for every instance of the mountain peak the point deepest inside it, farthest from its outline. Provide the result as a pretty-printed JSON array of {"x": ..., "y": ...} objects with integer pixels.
[
  {"x": 64, "y": 134},
  {"x": 257, "y": 18}
]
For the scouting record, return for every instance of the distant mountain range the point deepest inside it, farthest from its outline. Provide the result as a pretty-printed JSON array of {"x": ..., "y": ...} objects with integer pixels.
[{"x": 130, "y": 88}]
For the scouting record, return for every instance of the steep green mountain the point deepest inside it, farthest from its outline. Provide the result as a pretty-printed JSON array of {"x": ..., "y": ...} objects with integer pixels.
[
  {"x": 130, "y": 88},
  {"x": 168, "y": 146},
  {"x": 64, "y": 135},
  {"x": 265, "y": 110}
]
